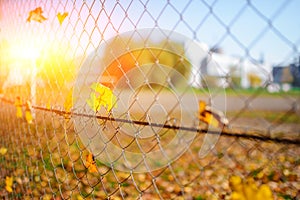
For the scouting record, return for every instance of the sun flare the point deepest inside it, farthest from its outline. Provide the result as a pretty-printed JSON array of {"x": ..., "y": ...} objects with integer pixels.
[{"x": 24, "y": 52}]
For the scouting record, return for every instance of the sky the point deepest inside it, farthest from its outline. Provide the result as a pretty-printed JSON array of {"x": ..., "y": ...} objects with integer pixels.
[{"x": 257, "y": 29}]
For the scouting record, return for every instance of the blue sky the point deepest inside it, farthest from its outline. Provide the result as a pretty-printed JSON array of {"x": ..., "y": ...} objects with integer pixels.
[
  {"x": 261, "y": 27},
  {"x": 207, "y": 21}
]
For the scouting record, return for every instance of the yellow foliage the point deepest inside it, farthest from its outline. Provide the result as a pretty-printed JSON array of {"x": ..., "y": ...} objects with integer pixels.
[
  {"x": 101, "y": 96},
  {"x": 36, "y": 15},
  {"x": 28, "y": 115},
  {"x": 18, "y": 104},
  {"x": 79, "y": 197},
  {"x": 8, "y": 183},
  {"x": 48, "y": 105},
  {"x": 3, "y": 150},
  {"x": 209, "y": 116},
  {"x": 61, "y": 17},
  {"x": 248, "y": 190},
  {"x": 91, "y": 163},
  {"x": 69, "y": 101},
  {"x": 264, "y": 192},
  {"x": 255, "y": 80}
]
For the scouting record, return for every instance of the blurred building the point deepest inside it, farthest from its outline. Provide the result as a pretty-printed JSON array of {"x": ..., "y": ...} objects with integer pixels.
[
  {"x": 287, "y": 76},
  {"x": 216, "y": 69}
]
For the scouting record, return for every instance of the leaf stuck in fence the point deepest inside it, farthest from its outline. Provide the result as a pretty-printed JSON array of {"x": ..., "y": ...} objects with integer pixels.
[
  {"x": 211, "y": 116},
  {"x": 18, "y": 104},
  {"x": 68, "y": 104},
  {"x": 101, "y": 96},
  {"x": 91, "y": 163},
  {"x": 61, "y": 17},
  {"x": 28, "y": 114},
  {"x": 36, "y": 15}
]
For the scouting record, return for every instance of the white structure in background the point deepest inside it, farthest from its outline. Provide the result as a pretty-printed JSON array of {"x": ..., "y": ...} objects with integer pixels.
[
  {"x": 19, "y": 74},
  {"x": 221, "y": 65},
  {"x": 196, "y": 52}
]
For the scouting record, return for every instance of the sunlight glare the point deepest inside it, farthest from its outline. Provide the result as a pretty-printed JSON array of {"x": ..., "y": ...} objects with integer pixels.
[{"x": 24, "y": 52}]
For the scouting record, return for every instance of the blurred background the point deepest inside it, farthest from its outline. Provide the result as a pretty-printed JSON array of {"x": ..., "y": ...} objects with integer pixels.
[{"x": 159, "y": 59}]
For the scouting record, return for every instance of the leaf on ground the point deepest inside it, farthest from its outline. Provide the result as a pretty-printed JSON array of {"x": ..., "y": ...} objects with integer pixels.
[
  {"x": 3, "y": 150},
  {"x": 248, "y": 190},
  {"x": 8, "y": 184}
]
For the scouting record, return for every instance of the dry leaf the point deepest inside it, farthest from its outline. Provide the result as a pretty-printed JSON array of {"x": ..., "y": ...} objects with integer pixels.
[
  {"x": 101, "y": 96},
  {"x": 211, "y": 116},
  {"x": 68, "y": 104},
  {"x": 3, "y": 150},
  {"x": 18, "y": 104},
  {"x": 36, "y": 15},
  {"x": 8, "y": 184},
  {"x": 248, "y": 190},
  {"x": 61, "y": 17},
  {"x": 28, "y": 114},
  {"x": 91, "y": 163}
]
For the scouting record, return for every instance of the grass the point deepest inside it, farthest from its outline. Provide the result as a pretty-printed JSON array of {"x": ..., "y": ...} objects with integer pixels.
[
  {"x": 247, "y": 92},
  {"x": 263, "y": 92},
  {"x": 271, "y": 116}
]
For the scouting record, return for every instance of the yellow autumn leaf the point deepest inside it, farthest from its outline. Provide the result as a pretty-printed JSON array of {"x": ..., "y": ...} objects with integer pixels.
[
  {"x": 61, "y": 17},
  {"x": 235, "y": 183},
  {"x": 68, "y": 104},
  {"x": 18, "y": 105},
  {"x": 3, "y": 150},
  {"x": 79, "y": 197},
  {"x": 48, "y": 105},
  {"x": 28, "y": 114},
  {"x": 211, "y": 116},
  {"x": 101, "y": 96},
  {"x": 237, "y": 196},
  {"x": 91, "y": 163},
  {"x": 264, "y": 193},
  {"x": 36, "y": 15},
  {"x": 248, "y": 190},
  {"x": 8, "y": 184}
]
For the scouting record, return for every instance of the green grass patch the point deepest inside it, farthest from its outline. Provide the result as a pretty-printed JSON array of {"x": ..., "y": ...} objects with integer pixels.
[
  {"x": 47, "y": 163},
  {"x": 271, "y": 116},
  {"x": 246, "y": 92}
]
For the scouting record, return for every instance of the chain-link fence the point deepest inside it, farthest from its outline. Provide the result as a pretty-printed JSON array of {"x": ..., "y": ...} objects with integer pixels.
[{"x": 149, "y": 99}]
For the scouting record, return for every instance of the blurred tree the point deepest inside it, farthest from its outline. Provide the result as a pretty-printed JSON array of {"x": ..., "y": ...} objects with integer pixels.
[
  {"x": 55, "y": 68},
  {"x": 166, "y": 53},
  {"x": 4, "y": 52}
]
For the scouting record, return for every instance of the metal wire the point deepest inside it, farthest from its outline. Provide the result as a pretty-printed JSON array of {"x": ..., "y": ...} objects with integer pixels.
[{"x": 159, "y": 59}]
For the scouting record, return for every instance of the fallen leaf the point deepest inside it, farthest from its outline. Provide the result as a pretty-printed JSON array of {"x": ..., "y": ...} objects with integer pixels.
[
  {"x": 248, "y": 190},
  {"x": 3, "y": 150},
  {"x": 264, "y": 193},
  {"x": 8, "y": 184}
]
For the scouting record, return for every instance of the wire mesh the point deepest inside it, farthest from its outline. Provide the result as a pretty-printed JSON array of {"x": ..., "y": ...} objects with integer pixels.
[{"x": 101, "y": 100}]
